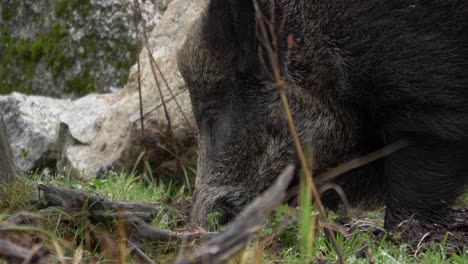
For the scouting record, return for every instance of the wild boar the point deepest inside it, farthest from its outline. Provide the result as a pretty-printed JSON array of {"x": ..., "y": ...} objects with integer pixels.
[{"x": 359, "y": 75}]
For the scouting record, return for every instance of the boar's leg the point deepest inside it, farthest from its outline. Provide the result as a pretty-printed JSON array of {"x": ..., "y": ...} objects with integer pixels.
[{"x": 423, "y": 179}]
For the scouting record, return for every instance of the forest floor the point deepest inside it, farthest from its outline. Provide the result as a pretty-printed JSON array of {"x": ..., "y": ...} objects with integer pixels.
[{"x": 77, "y": 238}]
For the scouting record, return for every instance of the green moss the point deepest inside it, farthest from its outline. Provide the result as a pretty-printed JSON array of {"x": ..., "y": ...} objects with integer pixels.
[
  {"x": 64, "y": 8},
  {"x": 81, "y": 85},
  {"x": 123, "y": 68},
  {"x": 55, "y": 48},
  {"x": 25, "y": 54},
  {"x": 93, "y": 44},
  {"x": 124, "y": 65},
  {"x": 52, "y": 46},
  {"x": 37, "y": 50},
  {"x": 9, "y": 10},
  {"x": 123, "y": 79},
  {"x": 6, "y": 14},
  {"x": 61, "y": 8}
]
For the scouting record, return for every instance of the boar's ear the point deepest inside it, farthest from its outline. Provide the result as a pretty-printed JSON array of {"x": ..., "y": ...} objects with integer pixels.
[
  {"x": 237, "y": 19},
  {"x": 245, "y": 30}
]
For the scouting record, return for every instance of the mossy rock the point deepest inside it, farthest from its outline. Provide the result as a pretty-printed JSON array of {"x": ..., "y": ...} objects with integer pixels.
[{"x": 76, "y": 63}]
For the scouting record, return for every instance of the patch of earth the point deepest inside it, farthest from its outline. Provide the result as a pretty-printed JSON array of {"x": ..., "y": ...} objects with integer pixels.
[
  {"x": 180, "y": 212},
  {"x": 454, "y": 236}
]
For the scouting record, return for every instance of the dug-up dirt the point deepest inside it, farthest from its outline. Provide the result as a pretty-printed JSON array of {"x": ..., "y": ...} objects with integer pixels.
[{"x": 455, "y": 234}]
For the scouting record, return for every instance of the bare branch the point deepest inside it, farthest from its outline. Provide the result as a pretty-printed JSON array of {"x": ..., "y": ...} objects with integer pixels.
[
  {"x": 135, "y": 249},
  {"x": 14, "y": 252},
  {"x": 250, "y": 220},
  {"x": 152, "y": 60},
  {"x": 144, "y": 231},
  {"x": 71, "y": 199}
]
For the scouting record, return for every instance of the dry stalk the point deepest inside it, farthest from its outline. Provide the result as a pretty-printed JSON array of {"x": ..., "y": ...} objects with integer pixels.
[
  {"x": 192, "y": 128},
  {"x": 173, "y": 97},
  {"x": 134, "y": 248},
  {"x": 420, "y": 244},
  {"x": 158, "y": 85},
  {"x": 59, "y": 252},
  {"x": 357, "y": 162},
  {"x": 370, "y": 256},
  {"x": 272, "y": 51},
  {"x": 122, "y": 244},
  {"x": 341, "y": 194},
  {"x": 137, "y": 45},
  {"x": 166, "y": 149}
]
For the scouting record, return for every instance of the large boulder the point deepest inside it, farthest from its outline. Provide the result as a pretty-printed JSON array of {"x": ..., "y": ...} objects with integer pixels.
[
  {"x": 32, "y": 125},
  {"x": 97, "y": 132}
]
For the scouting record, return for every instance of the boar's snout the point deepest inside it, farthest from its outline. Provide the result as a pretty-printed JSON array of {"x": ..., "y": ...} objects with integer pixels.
[{"x": 211, "y": 209}]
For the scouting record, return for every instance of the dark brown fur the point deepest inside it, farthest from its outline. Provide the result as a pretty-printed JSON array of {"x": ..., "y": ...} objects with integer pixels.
[{"x": 361, "y": 74}]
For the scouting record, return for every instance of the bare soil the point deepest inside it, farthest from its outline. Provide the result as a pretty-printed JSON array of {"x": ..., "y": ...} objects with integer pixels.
[{"x": 455, "y": 234}]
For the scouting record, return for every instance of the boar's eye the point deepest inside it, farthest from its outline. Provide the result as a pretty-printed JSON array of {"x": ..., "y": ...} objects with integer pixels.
[
  {"x": 209, "y": 125},
  {"x": 214, "y": 126}
]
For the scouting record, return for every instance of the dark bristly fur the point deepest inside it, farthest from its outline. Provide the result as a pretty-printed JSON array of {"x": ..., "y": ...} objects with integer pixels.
[{"x": 362, "y": 74}]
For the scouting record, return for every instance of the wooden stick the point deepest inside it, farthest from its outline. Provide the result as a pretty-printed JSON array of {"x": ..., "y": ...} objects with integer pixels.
[
  {"x": 222, "y": 246},
  {"x": 69, "y": 199},
  {"x": 14, "y": 252},
  {"x": 135, "y": 249},
  {"x": 144, "y": 231}
]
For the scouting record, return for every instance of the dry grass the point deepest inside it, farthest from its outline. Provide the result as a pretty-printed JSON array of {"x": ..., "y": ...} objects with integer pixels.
[{"x": 72, "y": 237}]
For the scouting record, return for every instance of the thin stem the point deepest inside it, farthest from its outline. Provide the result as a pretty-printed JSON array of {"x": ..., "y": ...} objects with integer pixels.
[
  {"x": 280, "y": 83},
  {"x": 137, "y": 44},
  {"x": 158, "y": 85}
]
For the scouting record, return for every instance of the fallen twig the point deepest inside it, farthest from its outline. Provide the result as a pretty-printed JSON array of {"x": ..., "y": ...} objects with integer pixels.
[
  {"x": 135, "y": 249},
  {"x": 22, "y": 217},
  {"x": 100, "y": 208},
  {"x": 143, "y": 230},
  {"x": 222, "y": 246},
  {"x": 70, "y": 199},
  {"x": 14, "y": 252}
]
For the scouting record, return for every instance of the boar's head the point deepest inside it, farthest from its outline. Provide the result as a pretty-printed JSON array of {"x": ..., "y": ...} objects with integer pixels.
[{"x": 244, "y": 141}]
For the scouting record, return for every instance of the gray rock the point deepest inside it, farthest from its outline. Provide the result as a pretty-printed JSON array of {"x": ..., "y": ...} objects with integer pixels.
[
  {"x": 32, "y": 125},
  {"x": 90, "y": 135}
]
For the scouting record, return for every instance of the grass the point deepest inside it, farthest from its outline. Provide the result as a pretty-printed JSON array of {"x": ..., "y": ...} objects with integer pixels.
[
  {"x": 281, "y": 240},
  {"x": 68, "y": 232}
]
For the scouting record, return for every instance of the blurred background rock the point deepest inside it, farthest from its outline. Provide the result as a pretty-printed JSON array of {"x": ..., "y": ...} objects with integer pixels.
[{"x": 69, "y": 48}]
